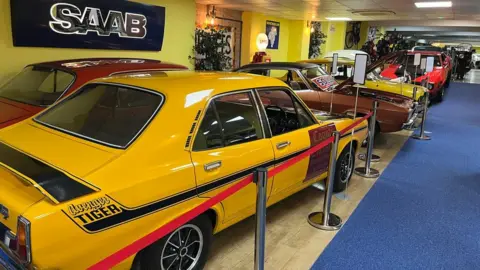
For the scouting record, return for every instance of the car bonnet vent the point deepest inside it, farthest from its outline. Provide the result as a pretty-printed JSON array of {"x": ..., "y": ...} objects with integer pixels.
[{"x": 192, "y": 130}]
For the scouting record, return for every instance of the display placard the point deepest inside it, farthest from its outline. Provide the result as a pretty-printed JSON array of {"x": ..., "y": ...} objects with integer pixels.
[
  {"x": 430, "y": 61},
  {"x": 423, "y": 63},
  {"x": 88, "y": 24},
  {"x": 360, "y": 68},
  {"x": 334, "y": 64},
  {"x": 416, "y": 59}
]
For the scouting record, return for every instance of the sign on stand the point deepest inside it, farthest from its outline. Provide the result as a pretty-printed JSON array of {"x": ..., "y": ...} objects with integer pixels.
[
  {"x": 334, "y": 64},
  {"x": 417, "y": 59},
  {"x": 423, "y": 64},
  {"x": 430, "y": 62},
  {"x": 360, "y": 69}
]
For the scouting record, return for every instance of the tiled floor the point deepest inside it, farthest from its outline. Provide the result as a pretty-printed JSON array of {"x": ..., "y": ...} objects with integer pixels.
[{"x": 291, "y": 243}]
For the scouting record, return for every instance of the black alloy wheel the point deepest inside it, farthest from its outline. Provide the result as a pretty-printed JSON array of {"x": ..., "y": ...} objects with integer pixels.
[
  {"x": 344, "y": 169},
  {"x": 184, "y": 249}
]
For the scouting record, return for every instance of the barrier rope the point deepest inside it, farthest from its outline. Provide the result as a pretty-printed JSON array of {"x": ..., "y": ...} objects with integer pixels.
[{"x": 172, "y": 225}]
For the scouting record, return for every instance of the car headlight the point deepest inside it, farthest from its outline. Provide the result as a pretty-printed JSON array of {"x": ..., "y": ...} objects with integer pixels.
[
  {"x": 461, "y": 56},
  {"x": 430, "y": 86}
]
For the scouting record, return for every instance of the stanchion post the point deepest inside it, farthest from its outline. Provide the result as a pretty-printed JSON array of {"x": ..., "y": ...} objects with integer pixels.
[
  {"x": 325, "y": 220},
  {"x": 367, "y": 171},
  {"x": 422, "y": 135},
  {"x": 260, "y": 178},
  {"x": 371, "y": 137}
]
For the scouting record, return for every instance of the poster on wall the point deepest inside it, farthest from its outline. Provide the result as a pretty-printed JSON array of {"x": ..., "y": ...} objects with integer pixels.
[
  {"x": 273, "y": 34},
  {"x": 372, "y": 33},
  {"x": 88, "y": 24},
  {"x": 228, "y": 49}
]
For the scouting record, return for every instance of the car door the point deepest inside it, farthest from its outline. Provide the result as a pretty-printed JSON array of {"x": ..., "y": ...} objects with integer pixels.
[
  {"x": 293, "y": 131},
  {"x": 229, "y": 144}
]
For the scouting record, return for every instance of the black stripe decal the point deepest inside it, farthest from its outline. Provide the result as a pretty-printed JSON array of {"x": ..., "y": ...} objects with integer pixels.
[
  {"x": 129, "y": 214},
  {"x": 58, "y": 185},
  {"x": 350, "y": 132}
]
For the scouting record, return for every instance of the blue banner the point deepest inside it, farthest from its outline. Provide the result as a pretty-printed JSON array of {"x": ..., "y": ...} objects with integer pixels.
[{"x": 88, "y": 24}]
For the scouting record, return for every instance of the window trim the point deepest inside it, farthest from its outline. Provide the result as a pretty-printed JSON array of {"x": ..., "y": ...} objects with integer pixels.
[
  {"x": 74, "y": 134},
  {"x": 254, "y": 103},
  {"x": 292, "y": 95}
]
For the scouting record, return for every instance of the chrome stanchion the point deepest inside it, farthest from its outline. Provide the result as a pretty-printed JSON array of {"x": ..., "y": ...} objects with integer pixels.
[
  {"x": 422, "y": 135},
  {"x": 260, "y": 178},
  {"x": 326, "y": 220},
  {"x": 366, "y": 171},
  {"x": 373, "y": 158}
]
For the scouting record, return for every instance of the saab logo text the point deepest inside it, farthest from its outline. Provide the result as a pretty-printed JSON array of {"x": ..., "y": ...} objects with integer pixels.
[{"x": 68, "y": 19}]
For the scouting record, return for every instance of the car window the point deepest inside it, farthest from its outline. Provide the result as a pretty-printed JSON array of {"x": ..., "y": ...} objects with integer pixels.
[
  {"x": 107, "y": 114},
  {"x": 285, "y": 113},
  {"x": 289, "y": 77},
  {"x": 37, "y": 85},
  {"x": 229, "y": 120}
]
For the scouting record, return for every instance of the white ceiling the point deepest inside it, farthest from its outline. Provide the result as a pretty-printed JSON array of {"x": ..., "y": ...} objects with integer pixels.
[{"x": 466, "y": 10}]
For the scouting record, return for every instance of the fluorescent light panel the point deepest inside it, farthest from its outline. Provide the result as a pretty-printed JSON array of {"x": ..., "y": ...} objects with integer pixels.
[
  {"x": 338, "y": 19},
  {"x": 433, "y": 4}
]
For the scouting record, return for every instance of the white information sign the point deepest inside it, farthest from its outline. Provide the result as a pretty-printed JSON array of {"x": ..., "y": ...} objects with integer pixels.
[
  {"x": 423, "y": 63},
  {"x": 430, "y": 61},
  {"x": 334, "y": 64},
  {"x": 416, "y": 60},
  {"x": 360, "y": 68}
]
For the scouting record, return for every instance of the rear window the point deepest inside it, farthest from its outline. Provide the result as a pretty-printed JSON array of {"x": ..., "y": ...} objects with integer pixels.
[
  {"x": 113, "y": 115},
  {"x": 37, "y": 85}
]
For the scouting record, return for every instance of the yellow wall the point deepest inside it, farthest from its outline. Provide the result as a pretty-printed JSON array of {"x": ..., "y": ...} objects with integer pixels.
[
  {"x": 299, "y": 41},
  {"x": 336, "y": 38},
  {"x": 177, "y": 44},
  {"x": 294, "y": 38},
  {"x": 363, "y": 34}
]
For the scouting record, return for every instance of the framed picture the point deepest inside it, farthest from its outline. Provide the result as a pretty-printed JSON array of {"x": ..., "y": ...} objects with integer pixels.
[{"x": 273, "y": 34}]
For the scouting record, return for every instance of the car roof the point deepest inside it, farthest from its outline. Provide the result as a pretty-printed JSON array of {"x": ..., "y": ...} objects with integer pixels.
[
  {"x": 280, "y": 65},
  {"x": 183, "y": 83},
  {"x": 343, "y": 61},
  {"x": 112, "y": 64}
]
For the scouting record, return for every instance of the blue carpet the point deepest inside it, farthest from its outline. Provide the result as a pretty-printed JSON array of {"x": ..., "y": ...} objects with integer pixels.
[{"x": 424, "y": 211}]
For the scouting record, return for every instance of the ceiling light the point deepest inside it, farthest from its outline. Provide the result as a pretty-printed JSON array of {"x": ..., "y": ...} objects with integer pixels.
[
  {"x": 338, "y": 19},
  {"x": 433, "y": 4}
]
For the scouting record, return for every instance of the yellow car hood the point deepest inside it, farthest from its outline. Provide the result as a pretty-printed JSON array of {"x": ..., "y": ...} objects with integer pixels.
[{"x": 395, "y": 87}]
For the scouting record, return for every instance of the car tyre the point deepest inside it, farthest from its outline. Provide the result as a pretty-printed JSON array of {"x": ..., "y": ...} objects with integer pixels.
[
  {"x": 344, "y": 169},
  {"x": 440, "y": 95},
  {"x": 190, "y": 253}
]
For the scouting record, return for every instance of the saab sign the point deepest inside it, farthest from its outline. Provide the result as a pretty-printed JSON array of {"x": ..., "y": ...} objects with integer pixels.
[{"x": 89, "y": 24}]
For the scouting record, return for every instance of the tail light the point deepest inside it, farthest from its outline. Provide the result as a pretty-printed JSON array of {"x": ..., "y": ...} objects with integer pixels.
[{"x": 23, "y": 249}]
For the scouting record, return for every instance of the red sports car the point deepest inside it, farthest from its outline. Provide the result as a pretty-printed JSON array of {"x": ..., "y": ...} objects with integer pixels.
[
  {"x": 438, "y": 79},
  {"x": 40, "y": 85}
]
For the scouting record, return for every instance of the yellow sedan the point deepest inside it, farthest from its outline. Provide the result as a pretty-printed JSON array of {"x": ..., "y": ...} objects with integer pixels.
[
  {"x": 125, "y": 155},
  {"x": 374, "y": 80}
]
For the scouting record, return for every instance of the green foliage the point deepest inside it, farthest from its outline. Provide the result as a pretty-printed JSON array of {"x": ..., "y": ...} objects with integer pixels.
[
  {"x": 317, "y": 38},
  {"x": 209, "y": 50}
]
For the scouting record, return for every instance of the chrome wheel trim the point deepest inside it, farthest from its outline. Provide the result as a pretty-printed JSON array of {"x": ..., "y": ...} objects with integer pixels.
[
  {"x": 183, "y": 248},
  {"x": 346, "y": 167}
]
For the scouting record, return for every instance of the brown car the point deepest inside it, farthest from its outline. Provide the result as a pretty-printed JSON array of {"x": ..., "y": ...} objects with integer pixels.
[{"x": 318, "y": 89}]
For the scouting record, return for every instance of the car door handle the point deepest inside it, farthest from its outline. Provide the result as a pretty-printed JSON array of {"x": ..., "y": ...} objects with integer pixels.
[
  {"x": 212, "y": 166},
  {"x": 283, "y": 145}
]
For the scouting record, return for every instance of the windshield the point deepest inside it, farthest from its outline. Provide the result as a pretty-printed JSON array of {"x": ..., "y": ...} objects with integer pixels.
[
  {"x": 107, "y": 114},
  {"x": 313, "y": 72},
  {"x": 37, "y": 85}
]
